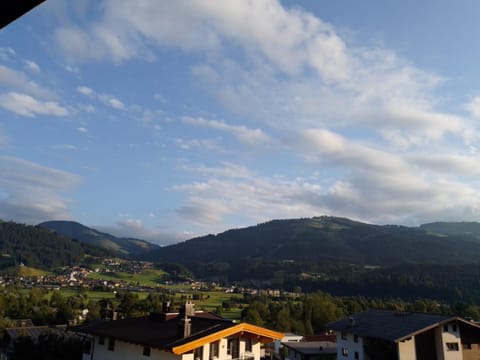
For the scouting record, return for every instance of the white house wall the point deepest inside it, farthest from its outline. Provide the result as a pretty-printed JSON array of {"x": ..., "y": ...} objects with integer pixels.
[
  {"x": 443, "y": 337},
  {"x": 351, "y": 346},
  {"x": 124, "y": 350},
  {"x": 406, "y": 349}
]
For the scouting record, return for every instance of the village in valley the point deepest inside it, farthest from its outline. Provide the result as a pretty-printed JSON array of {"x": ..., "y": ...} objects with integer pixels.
[{"x": 239, "y": 180}]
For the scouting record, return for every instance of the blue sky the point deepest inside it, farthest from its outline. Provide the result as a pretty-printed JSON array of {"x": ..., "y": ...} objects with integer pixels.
[{"x": 167, "y": 120}]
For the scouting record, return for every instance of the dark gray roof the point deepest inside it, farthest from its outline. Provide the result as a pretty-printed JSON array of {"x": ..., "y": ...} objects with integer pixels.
[
  {"x": 34, "y": 331},
  {"x": 389, "y": 325},
  {"x": 312, "y": 347},
  {"x": 156, "y": 330}
]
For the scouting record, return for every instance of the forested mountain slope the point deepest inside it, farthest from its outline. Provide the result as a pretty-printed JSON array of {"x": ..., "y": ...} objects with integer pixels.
[
  {"x": 38, "y": 247},
  {"x": 124, "y": 247},
  {"x": 326, "y": 240}
]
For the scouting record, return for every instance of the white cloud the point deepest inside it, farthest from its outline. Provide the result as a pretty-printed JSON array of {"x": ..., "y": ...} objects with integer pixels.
[
  {"x": 297, "y": 76},
  {"x": 254, "y": 199},
  {"x": 34, "y": 192},
  {"x": 6, "y": 53},
  {"x": 296, "y": 69},
  {"x": 202, "y": 144},
  {"x": 85, "y": 90},
  {"x": 16, "y": 80},
  {"x": 26, "y": 105},
  {"x": 474, "y": 106},
  {"x": 227, "y": 170},
  {"x": 32, "y": 66},
  {"x": 116, "y": 104},
  {"x": 453, "y": 165},
  {"x": 82, "y": 130},
  {"x": 136, "y": 228},
  {"x": 106, "y": 99},
  {"x": 242, "y": 133}
]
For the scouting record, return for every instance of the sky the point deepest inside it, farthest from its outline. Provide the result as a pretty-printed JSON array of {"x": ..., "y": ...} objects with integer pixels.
[{"x": 166, "y": 120}]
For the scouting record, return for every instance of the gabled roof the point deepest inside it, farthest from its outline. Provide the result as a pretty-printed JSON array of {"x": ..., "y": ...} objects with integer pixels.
[
  {"x": 245, "y": 329},
  {"x": 162, "y": 331},
  {"x": 391, "y": 325}
]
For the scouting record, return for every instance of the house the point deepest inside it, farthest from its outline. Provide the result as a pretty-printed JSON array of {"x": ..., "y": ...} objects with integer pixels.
[
  {"x": 188, "y": 335},
  {"x": 310, "y": 350},
  {"x": 384, "y": 335},
  {"x": 278, "y": 344},
  {"x": 297, "y": 347}
]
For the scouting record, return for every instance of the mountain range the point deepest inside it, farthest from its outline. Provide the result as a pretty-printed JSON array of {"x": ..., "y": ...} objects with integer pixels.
[
  {"x": 323, "y": 239},
  {"x": 337, "y": 255},
  {"x": 120, "y": 246},
  {"x": 328, "y": 239}
]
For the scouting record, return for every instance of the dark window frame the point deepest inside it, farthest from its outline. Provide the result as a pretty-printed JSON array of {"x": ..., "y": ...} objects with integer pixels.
[
  {"x": 214, "y": 349},
  {"x": 111, "y": 344}
]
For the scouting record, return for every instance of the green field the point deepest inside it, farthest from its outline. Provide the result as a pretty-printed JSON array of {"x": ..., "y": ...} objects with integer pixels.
[
  {"x": 149, "y": 277},
  {"x": 29, "y": 271}
]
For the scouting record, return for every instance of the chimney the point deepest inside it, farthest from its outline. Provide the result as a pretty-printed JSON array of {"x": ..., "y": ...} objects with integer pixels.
[
  {"x": 184, "y": 327},
  {"x": 185, "y": 323},
  {"x": 166, "y": 307},
  {"x": 189, "y": 308},
  {"x": 351, "y": 321}
]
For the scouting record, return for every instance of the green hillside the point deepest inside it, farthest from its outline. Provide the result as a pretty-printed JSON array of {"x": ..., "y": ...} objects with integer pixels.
[
  {"x": 325, "y": 240},
  {"x": 37, "y": 247},
  {"x": 463, "y": 229},
  {"x": 123, "y": 247}
]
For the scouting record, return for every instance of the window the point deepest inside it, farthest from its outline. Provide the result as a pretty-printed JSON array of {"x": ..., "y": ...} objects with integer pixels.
[
  {"x": 233, "y": 348},
  {"x": 467, "y": 346},
  {"x": 445, "y": 328},
  {"x": 87, "y": 345},
  {"x": 214, "y": 350},
  {"x": 101, "y": 340},
  {"x": 248, "y": 345},
  {"x": 355, "y": 355},
  {"x": 146, "y": 351},
  {"x": 111, "y": 344},
  {"x": 343, "y": 335},
  {"x": 344, "y": 351},
  {"x": 355, "y": 338},
  {"x": 198, "y": 353},
  {"x": 454, "y": 327},
  {"x": 452, "y": 346}
]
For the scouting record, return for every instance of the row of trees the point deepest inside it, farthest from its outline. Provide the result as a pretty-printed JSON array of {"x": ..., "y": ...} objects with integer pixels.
[
  {"x": 306, "y": 314},
  {"x": 310, "y": 313}
]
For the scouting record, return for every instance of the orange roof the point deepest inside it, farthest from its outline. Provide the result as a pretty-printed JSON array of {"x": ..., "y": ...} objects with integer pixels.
[{"x": 264, "y": 335}]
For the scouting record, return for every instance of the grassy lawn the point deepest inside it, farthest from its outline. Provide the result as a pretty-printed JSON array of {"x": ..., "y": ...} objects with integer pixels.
[
  {"x": 149, "y": 277},
  {"x": 29, "y": 271}
]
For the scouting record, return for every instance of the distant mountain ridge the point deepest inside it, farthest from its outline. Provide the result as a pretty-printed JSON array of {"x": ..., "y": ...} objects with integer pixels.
[
  {"x": 121, "y": 246},
  {"x": 468, "y": 229},
  {"x": 327, "y": 239},
  {"x": 40, "y": 248}
]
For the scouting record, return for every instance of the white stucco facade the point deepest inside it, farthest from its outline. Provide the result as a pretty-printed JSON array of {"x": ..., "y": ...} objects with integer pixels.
[
  {"x": 406, "y": 349},
  {"x": 125, "y": 350},
  {"x": 349, "y": 346},
  {"x": 447, "y": 345},
  {"x": 448, "y": 342}
]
